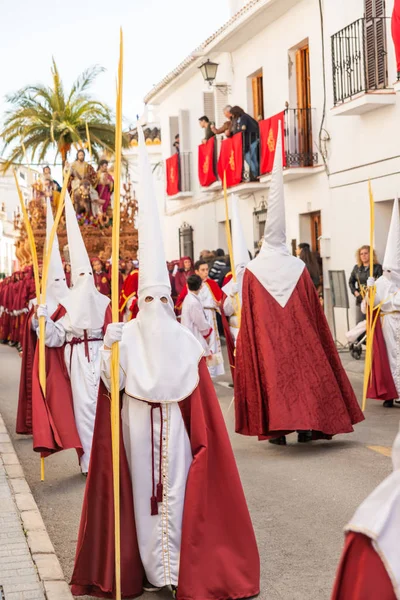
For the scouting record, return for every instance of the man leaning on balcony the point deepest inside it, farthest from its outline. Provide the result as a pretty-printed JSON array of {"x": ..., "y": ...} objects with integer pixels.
[
  {"x": 226, "y": 127},
  {"x": 205, "y": 124}
]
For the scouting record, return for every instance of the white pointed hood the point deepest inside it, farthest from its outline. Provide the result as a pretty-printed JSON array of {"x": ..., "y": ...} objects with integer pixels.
[
  {"x": 378, "y": 517},
  {"x": 162, "y": 355},
  {"x": 239, "y": 247},
  {"x": 85, "y": 306},
  {"x": 391, "y": 261},
  {"x": 275, "y": 268},
  {"x": 56, "y": 283}
]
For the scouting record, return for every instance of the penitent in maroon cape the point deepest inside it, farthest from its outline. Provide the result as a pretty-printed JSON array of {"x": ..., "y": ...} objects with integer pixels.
[
  {"x": 219, "y": 558},
  {"x": 362, "y": 574},
  {"x": 53, "y": 418},
  {"x": 289, "y": 376}
]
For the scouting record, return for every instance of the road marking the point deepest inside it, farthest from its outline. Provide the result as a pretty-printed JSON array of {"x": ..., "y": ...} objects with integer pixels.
[{"x": 386, "y": 451}]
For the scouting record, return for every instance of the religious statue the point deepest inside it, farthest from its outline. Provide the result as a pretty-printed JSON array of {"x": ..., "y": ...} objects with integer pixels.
[
  {"x": 80, "y": 170},
  {"x": 104, "y": 185},
  {"x": 50, "y": 188},
  {"x": 80, "y": 185}
]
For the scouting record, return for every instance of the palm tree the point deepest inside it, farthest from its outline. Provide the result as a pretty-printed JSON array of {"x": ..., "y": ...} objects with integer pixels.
[{"x": 46, "y": 118}]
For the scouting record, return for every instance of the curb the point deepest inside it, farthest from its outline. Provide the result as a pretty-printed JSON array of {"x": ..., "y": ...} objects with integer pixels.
[{"x": 41, "y": 549}]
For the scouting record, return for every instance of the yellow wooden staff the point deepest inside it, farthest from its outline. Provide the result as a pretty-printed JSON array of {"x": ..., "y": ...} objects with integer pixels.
[
  {"x": 40, "y": 287},
  {"x": 230, "y": 248},
  {"x": 371, "y": 318},
  {"x": 115, "y": 403}
]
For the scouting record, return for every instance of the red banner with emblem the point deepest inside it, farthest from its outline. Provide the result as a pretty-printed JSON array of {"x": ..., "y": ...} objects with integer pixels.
[
  {"x": 268, "y": 136},
  {"x": 206, "y": 163},
  {"x": 172, "y": 166},
  {"x": 231, "y": 160},
  {"x": 396, "y": 32}
]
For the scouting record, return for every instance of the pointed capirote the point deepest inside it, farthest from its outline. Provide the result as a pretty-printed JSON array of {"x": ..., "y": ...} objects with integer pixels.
[
  {"x": 79, "y": 258},
  {"x": 239, "y": 246},
  {"x": 275, "y": 225},
  {"x": 56, "y": 270},
  {"x": 391, "y": 261},
  {"x": 153, "y": 267}
]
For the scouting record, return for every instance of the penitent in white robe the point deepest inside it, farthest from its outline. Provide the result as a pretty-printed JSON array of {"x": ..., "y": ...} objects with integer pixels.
[
  {"x": 83, "y": 373},
  {"x": 389, "y": 293},
  {"x": 194, "y": 318},
  {"x": 159, "y": 536},
  {"x": 216, "y": 362},
  {"x": 231, "y": 309}
]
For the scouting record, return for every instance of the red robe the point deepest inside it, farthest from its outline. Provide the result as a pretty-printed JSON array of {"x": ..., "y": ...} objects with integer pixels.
[
  {"x": 24, "y": 410},
  {"x": 381, "y": 386},
  {"x": 102, "y": 283},
  {"x": 361, "y": 574},
  {"x": 288, "y": 372},
  {"x": 129, "y": 295},
  {"x": 219, "y": 557},
  {"x": 54, "y": 426},
  {"x": 181, "y": 279}
]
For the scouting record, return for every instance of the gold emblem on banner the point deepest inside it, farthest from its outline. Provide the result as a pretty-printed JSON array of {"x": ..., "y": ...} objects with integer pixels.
[
  {"x": 232, "y": 160},
  {"x": 172, "y": 175},
  {"x": 271, "y": 141},
  {"x": 206, "y": 165}
]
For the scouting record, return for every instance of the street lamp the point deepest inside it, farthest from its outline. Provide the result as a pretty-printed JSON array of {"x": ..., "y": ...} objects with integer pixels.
[{"x": 209, "y": 71}]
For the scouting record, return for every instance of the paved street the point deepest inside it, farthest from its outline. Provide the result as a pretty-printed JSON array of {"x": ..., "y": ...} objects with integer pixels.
[{"x": 300, "y": 497}]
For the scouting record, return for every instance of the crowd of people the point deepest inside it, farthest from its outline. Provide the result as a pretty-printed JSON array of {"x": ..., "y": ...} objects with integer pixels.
[{"x": 184, "y": 518}]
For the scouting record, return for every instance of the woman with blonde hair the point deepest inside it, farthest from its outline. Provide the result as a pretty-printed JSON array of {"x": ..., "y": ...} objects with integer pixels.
[{"x": 359, "y": 276}]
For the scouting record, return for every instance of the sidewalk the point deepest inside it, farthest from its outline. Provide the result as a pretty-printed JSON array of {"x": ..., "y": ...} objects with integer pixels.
[{"x": 29, "y": 568}]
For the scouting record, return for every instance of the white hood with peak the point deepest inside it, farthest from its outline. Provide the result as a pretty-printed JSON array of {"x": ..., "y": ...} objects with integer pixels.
[
  {"x": 239, "y": 248},
  {"x": 85, "y": 306},
  {"x": 56, "y": 282},
  {"x": 275, "y": 268},
  {"x": 391, "y": 261},
  {"x": 164, "y": 355}
]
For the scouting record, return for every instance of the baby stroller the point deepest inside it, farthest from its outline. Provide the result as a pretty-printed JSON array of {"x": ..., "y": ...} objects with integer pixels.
[{"x": 357, "y": 338}]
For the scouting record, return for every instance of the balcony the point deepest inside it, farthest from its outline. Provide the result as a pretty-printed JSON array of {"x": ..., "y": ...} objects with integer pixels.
[
  {"x": 247, "y": 160},
  {"x": 178, "y": 176},
  {"x": 359, "y": 64}
]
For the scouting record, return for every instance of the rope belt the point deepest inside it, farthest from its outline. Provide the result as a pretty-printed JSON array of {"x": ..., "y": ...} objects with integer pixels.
[
  {"x": 156, "y": 497},
  {"x": 85, "y": 340},
  {"x": 393, "y": 312}
]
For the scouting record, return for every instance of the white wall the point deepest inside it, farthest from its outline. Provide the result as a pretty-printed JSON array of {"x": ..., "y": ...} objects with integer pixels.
[{"x": 358, "y": 147}]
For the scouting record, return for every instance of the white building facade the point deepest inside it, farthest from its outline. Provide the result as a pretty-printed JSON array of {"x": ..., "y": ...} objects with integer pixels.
[{"x": 331, "y": 65}]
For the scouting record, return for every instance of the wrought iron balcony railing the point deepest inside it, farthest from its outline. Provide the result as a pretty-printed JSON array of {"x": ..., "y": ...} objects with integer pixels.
[
  {"x": 359, "y": 58},
  {"x": 299, "y": 138}
]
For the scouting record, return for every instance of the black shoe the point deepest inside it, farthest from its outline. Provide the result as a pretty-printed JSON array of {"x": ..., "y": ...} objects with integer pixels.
[
  {"x": 149, "y": 587},
  {"x": 279, "y": 441},
  {"x": 174, "y": 590},
  {"x": 304, "y": 437},
  {"x": 388, "y": 404}
]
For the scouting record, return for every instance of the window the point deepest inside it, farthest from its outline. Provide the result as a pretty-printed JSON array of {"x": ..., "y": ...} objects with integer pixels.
[
  {"x": 186, "y": 241},
  {"x": 258, "y": 96},
  {"x": 209, "y": 105},
  {"x": 375, "y": 44}
]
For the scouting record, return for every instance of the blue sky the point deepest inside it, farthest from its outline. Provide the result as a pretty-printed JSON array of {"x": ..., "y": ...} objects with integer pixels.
[{"x": 158, "y": 35}]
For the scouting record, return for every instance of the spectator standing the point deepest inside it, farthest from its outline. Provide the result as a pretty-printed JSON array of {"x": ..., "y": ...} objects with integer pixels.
[
  {"x": 218, "y": 265},
  {"x": 359, "y": 276},
  {"x": 226, "y": 127},
  {"x": 242, "y": 122},
  {"x": 184, "y": 272},
  {"x": 206, "y": 125},
  {"x": 176, "y": 143},
  {"x": 311, "y": 262}
]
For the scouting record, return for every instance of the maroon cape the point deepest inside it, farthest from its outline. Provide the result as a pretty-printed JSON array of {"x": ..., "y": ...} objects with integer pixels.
[
  {"x": 219, "y": 556},
  {"x": 381, "y": 386},
  {"x": 24, "y": 410},
  {"x": 288, "y": 372},
  {"x": 54, "y": 426},
  {"x": 361, "y": 574}
]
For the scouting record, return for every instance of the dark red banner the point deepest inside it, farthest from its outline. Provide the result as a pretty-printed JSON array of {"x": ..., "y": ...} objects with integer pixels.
[
  {"x": 230, "y": 160},
  {"x": 268, "y": 137},
  {"x": 206, "y": 163},
  {"x": 172, "y": 165},
  {"x": 396, "y": 31}
]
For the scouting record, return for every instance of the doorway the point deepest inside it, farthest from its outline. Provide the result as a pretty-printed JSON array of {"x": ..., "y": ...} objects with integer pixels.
[{"x": 316, "y": 231}]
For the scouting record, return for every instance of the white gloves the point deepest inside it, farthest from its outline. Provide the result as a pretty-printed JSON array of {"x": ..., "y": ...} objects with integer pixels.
[
  {"x": 370, "y": 282},
  {"x": 42, "y": 311},
  {"x": 113, "y": 334},
  {"x": 234, "y": 288}
]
